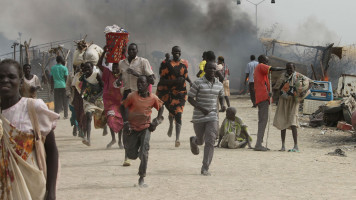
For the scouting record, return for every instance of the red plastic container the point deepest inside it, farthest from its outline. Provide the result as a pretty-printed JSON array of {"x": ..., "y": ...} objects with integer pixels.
[
  {"x": 344, "y": 126},
  {"x": 116, "y": 43}
]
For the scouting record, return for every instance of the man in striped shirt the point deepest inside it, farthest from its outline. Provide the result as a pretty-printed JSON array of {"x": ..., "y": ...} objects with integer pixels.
[{"x": 203, "y": 97}]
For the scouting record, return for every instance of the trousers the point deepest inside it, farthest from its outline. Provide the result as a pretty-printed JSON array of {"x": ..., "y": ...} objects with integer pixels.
[
  {"x": 251, "y": 87},
  {"x": 262, "y": 121},
  {"x": 137, "y": 145},
  {"x": 60, "y": 101},
  {"x": 206, "y": 132}
]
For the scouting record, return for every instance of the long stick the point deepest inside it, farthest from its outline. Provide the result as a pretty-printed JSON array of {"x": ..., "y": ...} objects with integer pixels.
[
  {"x": 314, "y": 74},
  {"x": 322, "y": 71},
  {"x": 269, "y": 106}
]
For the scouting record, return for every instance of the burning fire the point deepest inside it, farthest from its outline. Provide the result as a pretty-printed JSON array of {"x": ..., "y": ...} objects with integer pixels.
[{"x": 326, "y": 78}]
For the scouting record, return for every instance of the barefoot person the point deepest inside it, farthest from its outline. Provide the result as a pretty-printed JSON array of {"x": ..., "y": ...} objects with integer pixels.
[
  {"x": 262, "y": 88},
  {"x": 30, "y": 83},
  {"x": 137, "y": 124},
  {"x": 20, "y": 175},
  {"x": 233, "y": 132},
  {"x": 112, "y": 99},
  {"x": 293, "y": 89},
  {"x": 172, "y": 90},
  {"x": 92, "y": 92},
  {"x": 132, "y": 67},
  {"x": 203, "y": 97}
]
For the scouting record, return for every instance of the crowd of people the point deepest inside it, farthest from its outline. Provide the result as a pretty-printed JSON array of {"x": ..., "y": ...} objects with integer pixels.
[{"x": 119, "y": 96}]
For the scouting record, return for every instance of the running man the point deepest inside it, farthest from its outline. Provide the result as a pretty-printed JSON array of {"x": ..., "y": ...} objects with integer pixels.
[{"x": 203, "y": 97}]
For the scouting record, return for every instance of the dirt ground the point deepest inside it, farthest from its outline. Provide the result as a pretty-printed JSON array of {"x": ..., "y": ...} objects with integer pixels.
[{"x": 174, "y": 173}]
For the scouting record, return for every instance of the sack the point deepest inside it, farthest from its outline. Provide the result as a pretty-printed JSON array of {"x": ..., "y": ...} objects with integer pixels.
[
  {"x": 93, "y": 53},
  {"x": 90, "y": 54},
  {"x": 39, "y": 141}
]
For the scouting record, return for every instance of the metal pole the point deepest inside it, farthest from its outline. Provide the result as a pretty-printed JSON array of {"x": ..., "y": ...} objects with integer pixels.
[
  {"x": 14, "y": 46},
  {"x": 256, "y": 5},
  {"x": 256, "y": 18}
]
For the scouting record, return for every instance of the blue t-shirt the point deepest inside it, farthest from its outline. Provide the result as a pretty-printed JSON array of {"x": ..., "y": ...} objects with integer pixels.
[
  {"x": 250, "y": 69},
  {"x": 58, "y": 72}
]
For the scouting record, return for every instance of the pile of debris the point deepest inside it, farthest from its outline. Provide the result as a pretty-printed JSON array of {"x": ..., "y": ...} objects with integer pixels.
[{"x": 335, "y": 113}]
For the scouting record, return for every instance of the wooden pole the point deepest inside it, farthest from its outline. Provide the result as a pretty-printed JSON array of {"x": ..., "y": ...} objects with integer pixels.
[
  {"x": 322, "y": 71},
  {"x": 66, "y": 58},
  {"x": 273, "y": 45},
  {"x": 314, "y": 75}
]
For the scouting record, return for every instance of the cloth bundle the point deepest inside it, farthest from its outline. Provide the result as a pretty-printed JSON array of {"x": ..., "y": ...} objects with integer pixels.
[
  {"x": 295, "y": 86},
  {"x": 114, "y": 29}
]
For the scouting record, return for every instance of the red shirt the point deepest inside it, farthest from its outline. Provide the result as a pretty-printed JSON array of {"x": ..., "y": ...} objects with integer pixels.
[
  {"x": 262, "y": 86},
  {"x": 140, "y": 109}
]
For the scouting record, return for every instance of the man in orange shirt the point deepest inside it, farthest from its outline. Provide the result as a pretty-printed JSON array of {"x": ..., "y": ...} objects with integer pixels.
[{"x": 262, "y": 95}]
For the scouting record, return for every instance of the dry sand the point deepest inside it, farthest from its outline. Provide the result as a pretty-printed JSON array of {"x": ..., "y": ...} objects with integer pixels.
[{"x": 174, "y": 173}]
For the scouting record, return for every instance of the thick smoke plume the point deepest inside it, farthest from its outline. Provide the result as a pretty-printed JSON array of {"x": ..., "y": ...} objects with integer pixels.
[{"x": 156, "y": 25}]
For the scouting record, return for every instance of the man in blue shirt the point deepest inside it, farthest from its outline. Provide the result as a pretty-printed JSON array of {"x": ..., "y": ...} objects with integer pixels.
[
  {"x": 59, "y": 74},
  {"x": 249, "y": 77}
]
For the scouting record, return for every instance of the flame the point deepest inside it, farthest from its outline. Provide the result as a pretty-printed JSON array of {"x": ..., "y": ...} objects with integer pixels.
[{"x": 326, "y": 78}]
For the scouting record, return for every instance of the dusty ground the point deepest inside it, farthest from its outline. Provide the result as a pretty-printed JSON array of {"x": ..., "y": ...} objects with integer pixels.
[{"x": 174, "y": 173}]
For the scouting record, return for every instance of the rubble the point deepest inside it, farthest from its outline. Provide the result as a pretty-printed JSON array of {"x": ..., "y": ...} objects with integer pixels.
[
  {"x": 337, "y": 152},
  {"x": 335, "y": 113}
]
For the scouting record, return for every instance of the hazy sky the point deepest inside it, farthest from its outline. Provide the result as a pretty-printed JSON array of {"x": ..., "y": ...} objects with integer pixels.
[{"x": 336, "y": 17}]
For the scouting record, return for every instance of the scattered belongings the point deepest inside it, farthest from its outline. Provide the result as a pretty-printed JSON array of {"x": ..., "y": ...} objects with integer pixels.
[
  {"x": 86, "y": 52},
  {"x": 335, "y": 113},
  {"x": 337, "y": 152},
  {"x": 346, "y": 85},
  {"x": 344, "y": 126}
]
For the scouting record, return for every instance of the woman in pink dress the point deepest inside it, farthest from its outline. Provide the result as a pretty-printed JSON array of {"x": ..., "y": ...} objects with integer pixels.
[{"x": 112, "y": 99}]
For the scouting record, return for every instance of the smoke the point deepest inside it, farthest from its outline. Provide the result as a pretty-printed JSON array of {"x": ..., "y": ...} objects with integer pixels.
[
  {"x": 313, "y": 31},
  {"x": 156, "y": 25}
]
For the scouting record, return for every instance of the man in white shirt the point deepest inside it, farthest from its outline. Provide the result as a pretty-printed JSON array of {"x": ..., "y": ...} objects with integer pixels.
[
  {"x": 249, "y": 77},
  {"x": 132, "y": 67}
]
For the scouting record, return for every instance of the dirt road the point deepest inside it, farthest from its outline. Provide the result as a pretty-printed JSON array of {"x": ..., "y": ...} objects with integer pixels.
[{"x": 174, "y": 173}]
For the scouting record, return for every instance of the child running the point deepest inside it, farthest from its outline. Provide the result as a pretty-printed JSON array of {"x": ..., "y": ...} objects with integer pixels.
[{"x": 137, "y": 124}]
